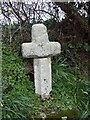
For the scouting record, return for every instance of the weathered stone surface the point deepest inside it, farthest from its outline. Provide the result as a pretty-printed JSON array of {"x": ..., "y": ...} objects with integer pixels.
[
  {"x": 42, "y": 72},
  {"x": 41, "y": 50},
  {"x": 40, "y": 45},
  {"x": 39, "y": 34},
  {"x": 35, "y": 50}
]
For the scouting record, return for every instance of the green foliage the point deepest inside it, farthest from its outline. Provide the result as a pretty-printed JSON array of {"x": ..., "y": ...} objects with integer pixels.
[
  {"x": 0, "y": 78},
  {"x": 70, "y": 89},
  {"x": 0, "y": 58},
  {"x": 86, "y": 47},
  {"x": 14, "y": 83},
  {"x": 74, "y": 88}
]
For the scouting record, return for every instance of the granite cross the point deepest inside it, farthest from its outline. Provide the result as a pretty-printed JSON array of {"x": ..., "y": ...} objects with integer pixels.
[{"x": 41, "y": 50}]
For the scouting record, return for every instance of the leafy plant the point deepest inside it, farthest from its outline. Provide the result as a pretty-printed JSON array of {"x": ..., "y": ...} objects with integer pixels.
[
  {"x": 70, "y": 89},
  {"x": 74, "y": 88},
  {"x": 86, "y": 47}
]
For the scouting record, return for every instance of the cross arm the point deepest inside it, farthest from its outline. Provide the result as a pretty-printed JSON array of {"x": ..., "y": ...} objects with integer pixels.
[{"x": 33, "y": 50}]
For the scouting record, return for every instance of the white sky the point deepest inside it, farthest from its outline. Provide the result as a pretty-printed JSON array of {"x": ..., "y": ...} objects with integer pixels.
[
  {"x": 13, "y": 19},
  {"x": 3, "y": 19},
  {"x": 46, "y": 0}
]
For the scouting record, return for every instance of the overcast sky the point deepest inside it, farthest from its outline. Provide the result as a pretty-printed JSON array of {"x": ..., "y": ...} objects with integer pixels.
[
  {"x": 47, "y": 16},
  {"x": 2, "y": 19},
  {"x": 47, "y": 0}
]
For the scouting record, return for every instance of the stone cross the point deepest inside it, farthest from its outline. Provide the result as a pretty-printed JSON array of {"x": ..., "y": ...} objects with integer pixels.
[{"x": 41, "y": 50}]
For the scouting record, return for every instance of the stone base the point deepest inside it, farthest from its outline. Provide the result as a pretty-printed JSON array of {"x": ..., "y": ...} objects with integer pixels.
[{"x": 45, "y": 97}]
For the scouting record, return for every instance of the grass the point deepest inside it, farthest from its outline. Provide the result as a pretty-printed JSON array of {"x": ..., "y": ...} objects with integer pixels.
[
  {"x": 0, "y": 78},
  {"x": 70, "y": 89}
]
